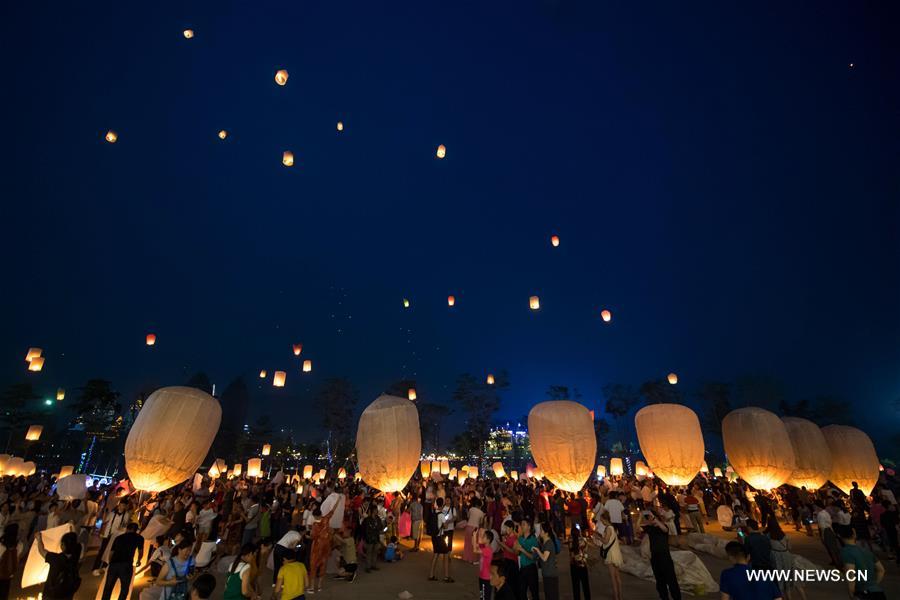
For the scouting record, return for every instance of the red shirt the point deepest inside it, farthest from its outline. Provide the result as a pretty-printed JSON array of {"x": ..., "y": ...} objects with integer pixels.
[{"x": 487, "y": 555}]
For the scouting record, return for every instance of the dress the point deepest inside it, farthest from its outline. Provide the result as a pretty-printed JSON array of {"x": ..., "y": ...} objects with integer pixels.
[
  {"x": 321, "y": 548},
  {"x": 614, "y": 553}
]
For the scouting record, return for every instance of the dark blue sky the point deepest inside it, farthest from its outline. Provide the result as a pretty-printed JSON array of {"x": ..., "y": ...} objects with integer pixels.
[{"x": 721, "y": 179}]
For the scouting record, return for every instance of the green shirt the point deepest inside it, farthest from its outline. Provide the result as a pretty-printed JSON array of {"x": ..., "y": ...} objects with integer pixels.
[
  {"x": 528, "y": 543},
  {"x": 863, "y": 561}
]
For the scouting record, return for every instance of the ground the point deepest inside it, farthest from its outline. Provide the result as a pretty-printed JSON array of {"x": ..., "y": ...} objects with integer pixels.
[{"x": 412, "y": 572}]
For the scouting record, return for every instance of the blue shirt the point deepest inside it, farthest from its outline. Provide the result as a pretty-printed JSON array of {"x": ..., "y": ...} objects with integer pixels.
[
  {"x": 734, "y": 582},
  {"x": 528, "y": 543}
]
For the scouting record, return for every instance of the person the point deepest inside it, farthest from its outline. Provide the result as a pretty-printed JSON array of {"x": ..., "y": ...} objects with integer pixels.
[
  {"x": 121, "y": 561},
  {"x": 547, "y": 554},
  {"x": 528, "y": 572},
  {"x": 416, "y": 514},
  {"x": 372, "y": 528},
  {"x": 289, "y": 541},
  {"x": 238, "y": 583},
  {"x": 735, "y": 582},
  {"x": 782, "y": 559},
  {"x": 320, "y": 547},
  {"x": 161, "y": 555},
  {"x": 291, "y": 579},
  {"x": 202, "y": 587},
  {"x": 578, "y": 564},
  {"x": 392, "y": 552},
  {"x": 113, "y": 525},
  {"x": 612, "y": 555},
  {"x": 858, "y": 559},
  {"x": 473, "y": 523},
  {"x": 344, "y": 540},
  {"x": 173, "y": 577},
  {"x": 660, "y": 559},
  {"x": 616, "y": 509},
  {"x": 758, "y": 547},
  {"x": 485, "y": 537},
  {"x": 251, "y": 523},
  {"x": 692, "y": 504},
  {"x": 9, "y": 557},
  {"x": 889, "y": 521},
  {"x": 502, "y": 590},
  {"x": 443, "y": 541},
  {"x": 62, "y": 578},
  {"x": 510, "y": 535}
]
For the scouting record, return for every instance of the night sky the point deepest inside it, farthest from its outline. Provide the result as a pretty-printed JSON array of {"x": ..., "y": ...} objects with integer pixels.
[{"x": 721, "y": 178}]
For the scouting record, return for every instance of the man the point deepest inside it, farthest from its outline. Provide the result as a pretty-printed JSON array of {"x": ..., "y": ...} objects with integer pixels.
[
  {"x": 291, "y": 580},
  {"x": 372, "y": 530},
  {"x": 416, "y": 514},
  {"x": 889, "y": 520},
  {"x": 758, "y": 548},
  {"x": 502, "y": 590},
  {"x": 858, "y": 498},
  {"x": 288, "y": 542},
  {"x": 660, "y": 560},
  {"x": 735, "y": 583},
  {"x": 692, "y": 504},
  {"x": 121, "y": 561},
  {"x": 860, "y": 561},
  {"x": 203, "y": 586},
  {"x": 252, "y": 524},
  {"x": 113, "y": 525},
  {"x": 616, "y": 509}
]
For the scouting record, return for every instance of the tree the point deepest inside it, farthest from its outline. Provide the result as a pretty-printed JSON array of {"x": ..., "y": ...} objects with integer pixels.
[
  {"x": 338, "y": 399},
  {"x": 201, "y": 382},
  {"x": 758, "y": 390},
  {"x": 17, "y": 409},
  {"x": 96, "y": 411},
  {"x": 659, "y": 391},
  {"x": 562, "y": 392},
  {"x": 479, "y": 400},
  {"x": 714, "y": 399},
  {"x": 621, "y": 399},
  {"x": 601, "y": 431}
]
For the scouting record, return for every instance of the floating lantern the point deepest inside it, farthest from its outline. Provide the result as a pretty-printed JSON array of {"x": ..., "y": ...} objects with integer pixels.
[
  {"x": 640, "y": 469},
  {"x": 280, "y": 377},
  {"x": 170, "y": 437},
  {"x": 514, "y": 475},
  {"x": 287, "y": 158},
  {"x": 33, "y": 353},
  {"x": 671, "y": 440},
  {"x": 298, "y": 348},
  {"x": 534, "y": 303},
  {"x": 405, "y": 303},
  {"x": 213, "y": 472},
  {"x": 441, "y": 151},
  {"x": 307, "y": 472},
  {"x": 445, "y": 466},
  {"x": 60, "y": 394},
  {"x": 254, "y": 467},
  {"x": 672, "y": 378},
  {"x": 34, "y": 433},
  {"x": 151, "y": 339},
  {"x": 606, "y": 316},
  {"x": 717, "y": 472},
  {"x": 307, "y": 366},
  {"x": 266, "y": 449},
  {"x": 451, "y": 300},
  {"x": 111, "y": 136},
  {"x": 36, "y": 364},
  {"x": 411, "y": 393},
  {"x": 563, "y": 442},
  {"x": 65, "y": 471},
  {"x": 262, "y": 374},
  {"x": 616, "y": 468},
  {"x": 14, "y": 466},
  {"x": 490, "y": 379},
  {"x": 853, "y": 458},
  {"x": 814, "y": 462},
  {"x": 435, "y": 466},
  {"x": 499, "y": 472},
  {"x": 340, "y": 126},
  {"x": 601, "y": 471},
  {"x": 29, "y": 468},
  {"x": 554, "y": 239},
  {"x": 223, "y": 134},
  {"x": 758, "y": 446},
  {"x": 473, "y": 472},
  {"x": 281, "y": 77},
  {"x": 388, "y": 443},
  {"x": 237, "y": 470},
  {"x": 342, "y": 473},
  {"x": 425, "y": 468},
  {"x": 188, "y": 34},
  {"x": 704, "y": 468}
]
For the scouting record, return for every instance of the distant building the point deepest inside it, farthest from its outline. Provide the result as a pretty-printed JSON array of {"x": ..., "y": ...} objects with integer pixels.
[{"x": 509, "y": 443}]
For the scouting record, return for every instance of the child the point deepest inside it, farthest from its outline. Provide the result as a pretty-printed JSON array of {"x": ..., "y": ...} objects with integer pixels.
[
  {"x": 392, "y": 553},
  {"x": 344, "y": 540},
  {"x": 291, "y": 580},
  {"x": 485, "y": 539}
]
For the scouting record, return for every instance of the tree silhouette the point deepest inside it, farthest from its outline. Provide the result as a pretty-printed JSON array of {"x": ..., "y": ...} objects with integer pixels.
[
  {"x": 659, "y": 391},
  {"x": 201, "y": 382},
  {"x": 17, "y": 408},
  {"x": 714, "y": 399},
  {"x": 479, "y": 400},
  {"x": 621, "y": 399},
  {"x": 337, "y": 397}
]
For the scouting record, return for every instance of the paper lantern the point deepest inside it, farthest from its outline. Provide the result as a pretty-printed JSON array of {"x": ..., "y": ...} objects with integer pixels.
[
  {"x": 758, "y": 446},
  {"x": 237, "y": 470},
  {"x": 36, "y": 568},
  {"x": 214, "y": 472},
  {"x": 33, "y": 353},
  {"x": 65, "y": 471},
  {"x": 281, "y": 77},
  {"x": 672, "y": 378},
  {"x": 388, "y": 443},
  {"x": 451, "y": 300},
  {"x": 811, "y": 451},
  {"x": 266, "y": 449},
  {"x": 640, "y": 469},
  {"x": 4, "y": 460},
  {"x": 322, "y": 473},
  {"x": 615, "y": 467},
  {"x": 221, "y": 465},
  {"x": 60, "y": 394},
  {"x": 704, "y": 468},
  {"x": 170, "y": 437},
  {"x": 278, "y": 380},
  {"x": 853, "y": 458},
  {"x": 473, "y": 472},
  {"x": 534, "y": 303},
  {"x": 36, "y": 364},
  {"x": 223, "y": 134},
  {"x": 435, "y": 466},
  {"x": 151, "y": 339},
  {"x": 340, "y": 126},
  {"x": 554, "y": 240},
  {"x": 34, "y": 433},
  {"x": 405, "y": 303},
  {"x": 28, "y": 468},
  {"x": 717, "y": 472},
  {"x": 453, "y": 473},
  {"x": 499, "y": 472},
  {"x": 342, "y": 473},
  {"x": 601, "y": 471},
  {"x": 425, "y": 468},
  {"x": 262, "y": 374},
  {"x": 606, "y": 315},
  {"x": 357, "y": 477},
  {"x": 411, "y": 393},
  {"x": 298, "y": 348},
  {"x": 441, "y": 151},
  {"x": 307, "y": 472},
  {"x": 188, "y": 33},
  {"x": 514, "y": 475},
  {"x": 307, "y": 366},
  {"x": 445, "y": 466},
  {"x": 490, "y": 379},
  {"x": 671, "y": 440},
  {"x": 287, "y": 158},
  {"x": 563, "y": 442},
  {"x": 254, "y": 467},
  {"x": 111, "y": 136},
  {"x": 71, "y": 487}
]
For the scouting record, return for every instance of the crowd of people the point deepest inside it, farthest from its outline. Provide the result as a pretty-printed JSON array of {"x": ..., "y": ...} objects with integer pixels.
[{"x": 522, "y": 535}]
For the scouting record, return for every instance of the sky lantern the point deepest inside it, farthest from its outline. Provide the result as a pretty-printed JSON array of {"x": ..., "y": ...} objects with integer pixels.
[
  {"x": 266, "y": 449},
  {"x": 425, "y": 468},
  {"x": 435, "y": 466},
  {"x": 342, "y": 473},
  {"x": 307, "y": 366},
  {"x": 388, "y": 443},
  {"x": 340, "y": 125},
  {"x": 254, "y": 467},
  {"x": 499, "y": 471},
  {"x": 451, "y": 300},
  {"x": 671, "y": 440},
  {"x": 563, "y": 442},
  {"x": 151, "y": 339},
  {"x": 672, "y": 378},
  {"x": 280, "y": 377},
  {"x": 441, "y": 151},
  {"x": 405, "y": 303},
  {"x": 606, "y": 315},
  {"x": 813, "y": 455},
  {"x": 554, "y": 240},
  {"x": 704, "y": 468},
  {"x": 473, "y": 472},
  {"x": 616, "y": 469},
  {"x": 717, "y": 472},
  {"x": 34, "y": 433},
  {"x": 445, "y": 466},
  {"x": 453, "y": 473},
  {"x": 60, "y": 394},
  {"x": 641, "y": 469},
  {"x": 601, "y": 471},
  {"x": 65, "y": 471},
  {"x": 281, "y": 76},
  {"x": 534, "y": 303},
  {"x": 298, "y": 348},
  {"x": 223, "y": 134},
  {"x": 237, "y": 470},
  {"x": 307, "y": 472},
  {"x": 262, "y": 374},
  {"x": 111, "y": 136},
  {"x": 411, "y": 393},
  {"x": 214, "y": 472},
  {"x": 490, "y": 379},
  {"x": 36, "y": 364},
  {"x": 188, "y": 34},
  {"x": 514, "y": 475},
  {"x": 287, "y": 158},
  {"x": 170, "y": 437},
  {"x": 853, "y": 458},
  {"x": 32, "y": 353},
  {"x": 758, "y": 447}
]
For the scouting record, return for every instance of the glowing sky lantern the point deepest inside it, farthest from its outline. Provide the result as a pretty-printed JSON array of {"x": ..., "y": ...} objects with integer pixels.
[
  {"x": 435, "y": 466},
  {"x": 601, "y": 471},
  {"x": 490, "y": 379},
  {"x": 340, "y": 125},
  {"x": 307, "y": 472},
  {"x": 499, "y": 472},
  {"x": 254, "y": 467},
  {"x": 388, "y": 443},
  {"x": 223, "y": 134},
  {"x": 758, "y": 446},
  {"x": 262, "y": 374},
  {"x": 237, "y": 470},
  {"x": 188, "y": 34},
  {"x": 111, "y": 136},
  {"x": 451, "y": 300},
  {"x": 307, "y": 366},
  {"x": 287, "y": 158},
  {"x": 615, "y": 467},
  {"x": 704, "y": 468},
  {"x": 453, "y": 473},
  {"x": 266, "y": 449},
  {"x": 445, "y": 466},
  {"x": 281, "y": 77},
  {"x": 671, "y": 440},
  {"x": 33, "y": 352},
  {"x": 534, "y": 303},
  {"x": 813, "y": 455},
  {"x": 342, "y": 473},
  {"x": 554, "y": 239},
  {"x": 411, "y": 393},
  {"x": 425, "y": 468},
  {"x": 640, "y": 469},
  {"x": 672, "y": 378},
  {"x": 441, "y": 151},
  {"x": 65, "y": 471},
  {"x": 563, "y": 442},
  {"x": 405, "y": 303},
  {"x": 298, "y": 348},
  {"x": 279, "y": 379},
  {"x": 60, "y": 394},
  {"x": 853, "y": 458},
  {"x": 150, "y": 340},
  {"x": 717, "y": 472},
  {"x": 34, "y": 433},
  {"x": 606, "y": 315},
  {"x": 36, "y": 364}
]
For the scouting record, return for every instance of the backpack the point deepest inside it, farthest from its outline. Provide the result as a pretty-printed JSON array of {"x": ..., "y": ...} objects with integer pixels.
[
  {"x": 66, "y": 580},
  {"x": 431, "y": 524}
]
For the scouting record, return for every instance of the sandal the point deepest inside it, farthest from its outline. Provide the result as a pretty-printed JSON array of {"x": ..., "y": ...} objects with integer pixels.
[
  {"x": 448, "y": 580},
  {"x": 432, "y": 578}
]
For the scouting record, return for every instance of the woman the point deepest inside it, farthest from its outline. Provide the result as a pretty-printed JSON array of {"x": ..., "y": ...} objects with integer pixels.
[
  {"x": 547, "y": 556},
  {"x": 612, "y": 555},
  {"x": 9, "y": 558},
  {"x": 62, "y": 578},
  {"x": 473, "y": 523},
  {"x": 528, "y": 573},
  {"x": 321, "y": 547},
  {"x": 782, "y": 559},
  {"x": 509, "y": 537},
  {"x": 578, "y": 567},
  {"x": 238, "y": 583},
  {"x": 173, "y": 577}
]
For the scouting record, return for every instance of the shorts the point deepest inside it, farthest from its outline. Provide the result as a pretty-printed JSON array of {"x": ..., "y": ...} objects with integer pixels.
[{"x": 442, "y": 543}]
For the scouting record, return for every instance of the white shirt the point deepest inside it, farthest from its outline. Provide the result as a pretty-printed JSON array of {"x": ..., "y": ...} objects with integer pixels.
[
  {"x": 290, "y": 540},
  {"x": 615, "y": 510},
  {"x": 647, "y": 494},
  {"x": 823, "y": 519},
  {"x": 205, "y": 518},
  {"x": 475, "y": 517}
]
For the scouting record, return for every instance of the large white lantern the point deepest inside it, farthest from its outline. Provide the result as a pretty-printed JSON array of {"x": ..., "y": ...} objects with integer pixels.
[
  {"x": 758, "y": 446},
  {"x": 389, "y": 443},
  {"x": 811, "y": 451},
  {"x": 853, "y": 458},
  {"x": 563, "y": 442},
  {"x": 671, "y": 441}
]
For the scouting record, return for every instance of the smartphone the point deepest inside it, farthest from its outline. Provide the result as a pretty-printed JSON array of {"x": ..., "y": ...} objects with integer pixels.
[{"x": 578, "y": 526}]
